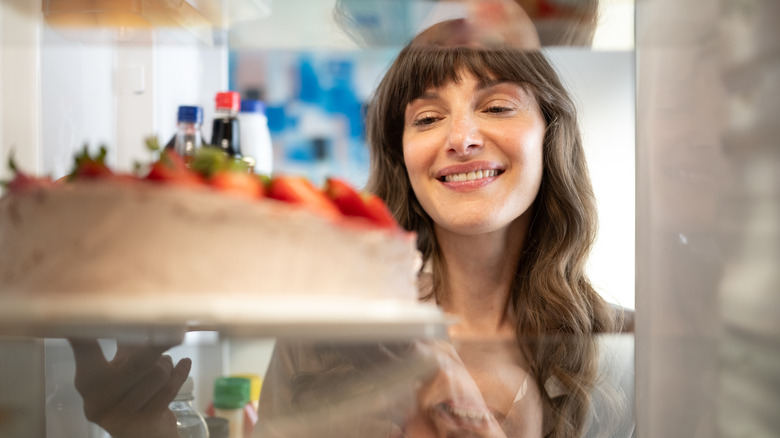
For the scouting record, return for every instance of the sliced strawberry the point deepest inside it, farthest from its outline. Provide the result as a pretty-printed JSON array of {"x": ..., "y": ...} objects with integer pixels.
[
  {"x": 300, "y": 191},
  {"x": 171, "y": 168},
  {"x": 378, "y": 211},
  {"x": 22, "y": 182},
  {"x": 88, "y": 167},
  {"x": 92, "y": 169},
  {"x": 346, "y": 198},
  {"x": 355, "y": 204},
  {"x": 241, "y": 184}
]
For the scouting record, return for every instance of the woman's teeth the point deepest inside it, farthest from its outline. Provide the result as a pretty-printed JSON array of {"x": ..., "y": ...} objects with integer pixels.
[{"x": 470, "y": 176}]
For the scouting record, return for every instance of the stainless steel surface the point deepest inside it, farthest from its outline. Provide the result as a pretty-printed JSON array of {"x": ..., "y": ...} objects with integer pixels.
[{"x": 707, "y": 231}]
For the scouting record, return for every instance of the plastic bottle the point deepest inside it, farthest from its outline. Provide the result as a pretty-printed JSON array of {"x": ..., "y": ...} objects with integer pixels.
[
  {"x": 189, "y": 422},
  {"x": 188, "y": 136},
  {"x": 231, "y": 395},
  {"x": 255, "y": 136},
  {"x": 226, "y": 133}
]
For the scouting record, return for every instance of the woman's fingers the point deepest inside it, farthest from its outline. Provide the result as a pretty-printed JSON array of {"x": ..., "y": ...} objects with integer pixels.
[
  {"x": 146, "y": 404},
  {"x": 93, "y": 377},
  {"x": 89, "y": 357},
  {"x": 133, "y": 362},
  {"x": 137, "y": 396},
  {"x": 120, "y": 394},
  {"x": 168, "y": 392},
  {"x": 154, "y": 418}
]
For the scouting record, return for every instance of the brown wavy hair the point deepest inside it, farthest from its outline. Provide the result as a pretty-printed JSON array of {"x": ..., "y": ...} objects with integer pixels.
[{"x": 556, "y": 308}]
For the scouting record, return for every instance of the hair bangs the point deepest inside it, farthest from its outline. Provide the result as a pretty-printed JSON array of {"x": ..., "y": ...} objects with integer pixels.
[
  {"x": 433, "y": 67},
  {"x": 428, "y": 67}
]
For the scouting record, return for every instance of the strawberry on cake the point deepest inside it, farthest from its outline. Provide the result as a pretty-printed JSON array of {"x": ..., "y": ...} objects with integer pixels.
[{"x": 203, "y": 241}]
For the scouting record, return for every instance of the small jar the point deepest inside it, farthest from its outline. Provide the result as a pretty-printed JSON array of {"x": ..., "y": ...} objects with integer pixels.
[{"x": 231, "y": 395}]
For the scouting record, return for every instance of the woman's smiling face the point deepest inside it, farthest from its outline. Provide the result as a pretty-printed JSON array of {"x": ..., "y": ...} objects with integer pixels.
[{"x": 473, "y": 152}]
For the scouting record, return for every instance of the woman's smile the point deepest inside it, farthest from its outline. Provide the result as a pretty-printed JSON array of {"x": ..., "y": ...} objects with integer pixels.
[{"x": 469, "y": 176}]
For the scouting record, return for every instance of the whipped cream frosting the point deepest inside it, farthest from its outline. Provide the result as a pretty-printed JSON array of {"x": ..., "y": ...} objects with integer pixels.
[{"x": 177, "y": 250}]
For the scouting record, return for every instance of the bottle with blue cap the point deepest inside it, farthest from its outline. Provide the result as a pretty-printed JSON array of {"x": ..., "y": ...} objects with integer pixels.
[{"x": 188, "y": 138}]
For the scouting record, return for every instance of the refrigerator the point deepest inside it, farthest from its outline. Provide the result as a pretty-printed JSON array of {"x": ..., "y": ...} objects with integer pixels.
[{"x": 678, "y": 108}]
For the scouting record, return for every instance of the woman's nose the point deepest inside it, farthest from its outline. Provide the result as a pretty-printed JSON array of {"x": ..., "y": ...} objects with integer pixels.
[{"x": 464, "y": 135}]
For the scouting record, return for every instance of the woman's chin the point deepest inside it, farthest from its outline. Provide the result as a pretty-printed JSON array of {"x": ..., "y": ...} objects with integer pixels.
[{"x": 472, "y": 227}]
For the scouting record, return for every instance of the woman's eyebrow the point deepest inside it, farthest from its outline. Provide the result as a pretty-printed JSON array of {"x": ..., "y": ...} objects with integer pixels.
[
  {"x": 484, "y": 85},
  {"x": 427, "y": 95},
  {"x": 525, "y": 93}
]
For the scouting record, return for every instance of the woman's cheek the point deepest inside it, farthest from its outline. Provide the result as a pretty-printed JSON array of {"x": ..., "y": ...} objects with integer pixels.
[{"x": 418, "y": 164}]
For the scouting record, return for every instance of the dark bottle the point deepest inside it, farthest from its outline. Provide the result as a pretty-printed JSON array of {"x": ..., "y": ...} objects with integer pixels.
[{"x": 225, "y": 129}]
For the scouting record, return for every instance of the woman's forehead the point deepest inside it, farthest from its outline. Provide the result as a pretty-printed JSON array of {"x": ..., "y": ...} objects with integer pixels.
[{"x": 462, "y": 74}]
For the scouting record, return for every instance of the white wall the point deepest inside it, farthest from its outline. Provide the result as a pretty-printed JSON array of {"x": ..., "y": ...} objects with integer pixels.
[
  {"x": 602, "y": 85},
  {"x": 20, "y": 34},
  {"x": 117, "y": 93},
  {"x": 77, "y": 99}
]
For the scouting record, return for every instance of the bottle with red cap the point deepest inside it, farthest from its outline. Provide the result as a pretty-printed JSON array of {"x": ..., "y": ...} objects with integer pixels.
[{"x": 225, "y": 133}]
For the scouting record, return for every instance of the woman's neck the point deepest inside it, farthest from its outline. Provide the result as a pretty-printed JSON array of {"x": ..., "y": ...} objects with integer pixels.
[{"x": 479, "y": 273}]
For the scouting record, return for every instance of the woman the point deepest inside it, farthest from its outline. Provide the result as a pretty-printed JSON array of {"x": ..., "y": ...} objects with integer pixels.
[{"x": 477, "y": 150}]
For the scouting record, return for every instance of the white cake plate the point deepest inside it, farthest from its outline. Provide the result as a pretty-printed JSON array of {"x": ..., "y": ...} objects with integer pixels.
[{"x": 163, "y": 322}]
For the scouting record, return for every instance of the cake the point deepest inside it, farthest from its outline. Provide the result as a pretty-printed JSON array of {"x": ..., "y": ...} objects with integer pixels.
[{"x": 177, "y": 246}]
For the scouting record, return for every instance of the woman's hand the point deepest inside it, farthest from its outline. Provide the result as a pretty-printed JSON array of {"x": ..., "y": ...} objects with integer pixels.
[{"x": 129, "y": 395}]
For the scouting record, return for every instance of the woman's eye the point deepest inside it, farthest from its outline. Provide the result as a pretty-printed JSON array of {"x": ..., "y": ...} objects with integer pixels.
[
  {"x": 497, "y": 109},
  {"x": 423, "y": 121}
]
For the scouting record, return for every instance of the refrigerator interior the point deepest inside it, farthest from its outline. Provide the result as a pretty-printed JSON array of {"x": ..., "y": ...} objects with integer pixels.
[
  {"x": 115, "y": 86},
  {"x": 678, "y": 107}
]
